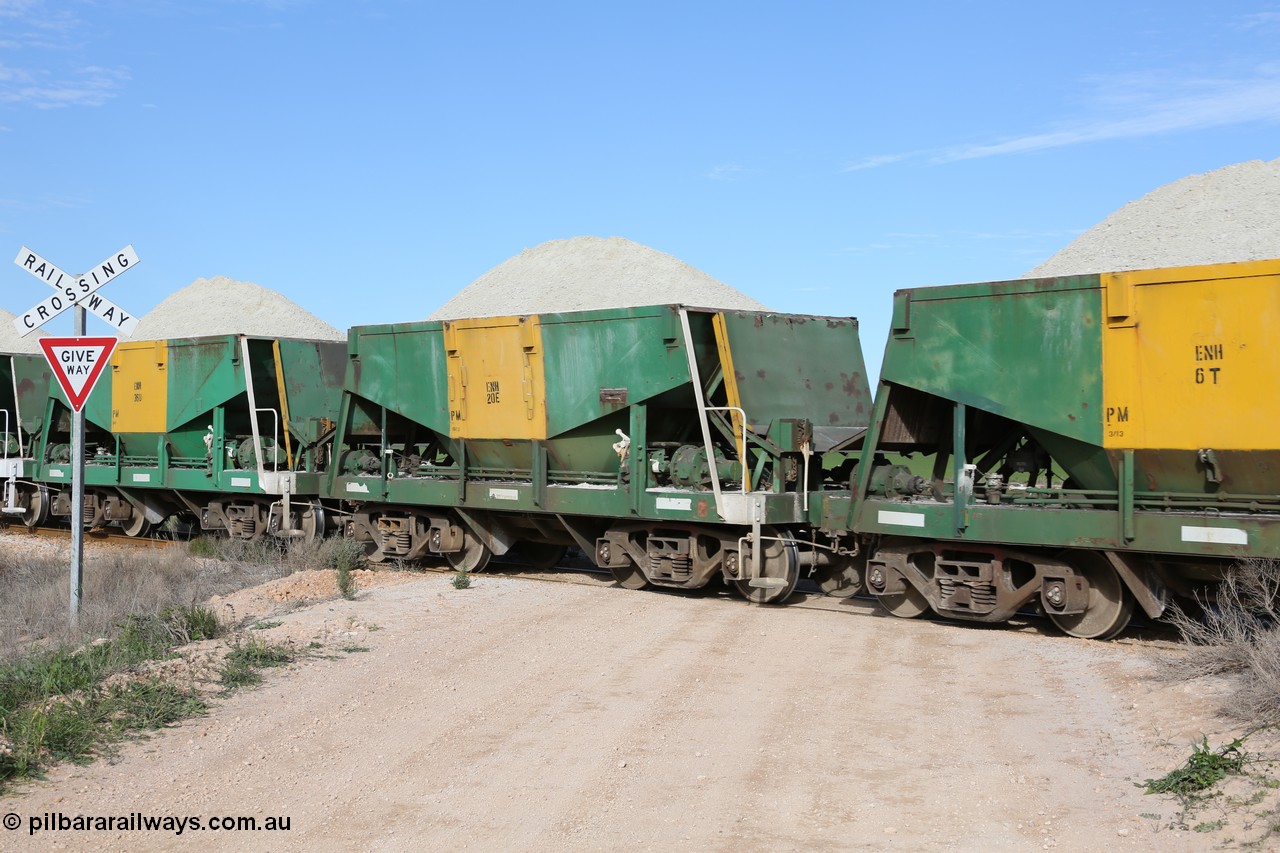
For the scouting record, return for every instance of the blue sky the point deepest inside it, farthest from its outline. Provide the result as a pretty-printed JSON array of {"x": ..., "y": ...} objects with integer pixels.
[{"x": 369, "y": 159}]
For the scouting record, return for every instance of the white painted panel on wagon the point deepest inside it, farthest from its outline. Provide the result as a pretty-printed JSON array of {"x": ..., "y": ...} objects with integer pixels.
[
  {"x": 1215, "y": 535},
  {"x": 901, "y": 519}
]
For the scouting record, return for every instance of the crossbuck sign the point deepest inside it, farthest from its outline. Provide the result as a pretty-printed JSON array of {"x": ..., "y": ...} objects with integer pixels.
[{"x": 73, "y": 290}]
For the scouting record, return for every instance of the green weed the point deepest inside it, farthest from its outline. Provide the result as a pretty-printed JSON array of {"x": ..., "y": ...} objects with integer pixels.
[
  {"x": 204, "y": 546},
  {"x": 347, "y": 586},
  {"x": 1204, "y": 769},
  {"x": 346, "y": 556},
  {"x": 55, "y": 705},
  {"x": 240, "y": 668}
]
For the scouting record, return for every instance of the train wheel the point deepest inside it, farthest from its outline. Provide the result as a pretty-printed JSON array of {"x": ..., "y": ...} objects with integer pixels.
[
  {"x": 907, "y": 604},
  {"x": 1110, "y": 605},
  {"x": 629, "y": 576},
  {"x": 780, "y": 565},
  {"x": 37, "y": 506},
  {"x": 842, "y": 577},
  {"x": 373, "y": 553},
  {"x": 311, "y": 521},
  {"x": 540, "y": 555},
  {"x": 137, "y": 525},
  {"x": 473, "y": 557}
]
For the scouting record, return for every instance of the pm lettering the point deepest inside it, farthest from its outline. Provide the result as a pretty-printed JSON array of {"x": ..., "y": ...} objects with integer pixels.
[
  {"x": 491, "y": 392},
  {"x": 1116, "y": 415}
]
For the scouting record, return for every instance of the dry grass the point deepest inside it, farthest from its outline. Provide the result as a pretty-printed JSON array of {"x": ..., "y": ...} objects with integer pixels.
[
  {"x": 1236, "y": 635},
  {"x": 71, "y": 694},
  {"x": 118, "y": 584}
]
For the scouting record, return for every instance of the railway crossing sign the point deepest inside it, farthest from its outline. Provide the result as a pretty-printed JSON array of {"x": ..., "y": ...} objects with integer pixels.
[
  {"x": 77, "y": 363},
  {"x": 76, "y": 291}
]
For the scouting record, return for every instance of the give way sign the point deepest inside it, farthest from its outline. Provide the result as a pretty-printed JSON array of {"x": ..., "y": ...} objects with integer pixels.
[{"x": 77, "y": 362}]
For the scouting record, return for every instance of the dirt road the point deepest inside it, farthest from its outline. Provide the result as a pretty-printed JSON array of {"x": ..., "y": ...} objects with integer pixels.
[{"x": 525, "y": 715}]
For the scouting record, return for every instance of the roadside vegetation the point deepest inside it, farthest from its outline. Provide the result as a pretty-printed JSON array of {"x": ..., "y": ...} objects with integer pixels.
[
  {"x": 1232, "y": 639},
  {"x": 71, "y": 694}
]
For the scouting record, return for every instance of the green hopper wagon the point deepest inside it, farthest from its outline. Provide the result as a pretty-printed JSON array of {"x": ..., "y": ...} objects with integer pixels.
[
  {"x": 228, "y": 430},
  {"x": 671, "y": 444},
  {"x": 1083, "y": 444}
]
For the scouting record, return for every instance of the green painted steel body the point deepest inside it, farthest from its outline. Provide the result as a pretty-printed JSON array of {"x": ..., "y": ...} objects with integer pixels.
[
  {"x": 985, "y": 362},
  {"x": 604, "y": 373},
  {"x": 24, "y": 387},
  {"x": 203, "y": 417},
  {"x": 27, "y": 390}
]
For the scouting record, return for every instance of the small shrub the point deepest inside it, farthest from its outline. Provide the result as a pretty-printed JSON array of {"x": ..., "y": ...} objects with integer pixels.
[
  {"x": 346, "y": 556},
  {"x": 54, "y": 707},
  {"x": 1236, "y": 633},
  {"x": 347, "y": 586},
  {"x": 204, "y": 546},
  {"x": 240, "y": 668},
  {"x": 346, "y": 553},
  {"x": 146, "y": 637},
  {"x": 151, "y": 704},
  {"x": 1204, "y": 769},
  {"x": 462, "y": 580},
  {"x": 196, "y": 623}
]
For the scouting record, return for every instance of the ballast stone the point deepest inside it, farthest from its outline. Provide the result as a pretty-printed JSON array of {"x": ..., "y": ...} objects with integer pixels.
[
  {"x": 586, "y": 273},
  {"x": 224, "y": 306},
  {"x": 1228, "y": 215}
]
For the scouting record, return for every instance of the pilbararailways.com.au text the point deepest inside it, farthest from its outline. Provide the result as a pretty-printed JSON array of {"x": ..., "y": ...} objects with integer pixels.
[{"x": 141, "y": 822}]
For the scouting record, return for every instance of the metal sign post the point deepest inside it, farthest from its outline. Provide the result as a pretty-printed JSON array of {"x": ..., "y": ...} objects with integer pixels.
[
  {"x": 76, "y": 292},
  {"x": 77, "y": 498}
]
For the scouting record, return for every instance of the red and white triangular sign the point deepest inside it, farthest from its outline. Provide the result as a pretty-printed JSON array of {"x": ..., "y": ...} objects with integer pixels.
[{"x": 77, "y": 362}]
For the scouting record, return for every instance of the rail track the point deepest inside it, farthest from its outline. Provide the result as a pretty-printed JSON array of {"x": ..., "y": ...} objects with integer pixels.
[
  {"x": 578, "y": 571},
  {"x": 94, "y": 536}
]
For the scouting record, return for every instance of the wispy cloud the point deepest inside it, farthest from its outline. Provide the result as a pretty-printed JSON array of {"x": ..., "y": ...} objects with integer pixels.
[
  {"x": 1258, "y": 20},
  {"x": 1131, "y": 107},
  {"x": 37, "y": 205},
  {"x": 57, "y": 77},
  {"x": 1201, "y": 104},
  {"x": 18, "y": 8},
  {"x": 728, "y": 172},
  {"x": 91, "y": 86},
  {"x": 877, "y": 161}
]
